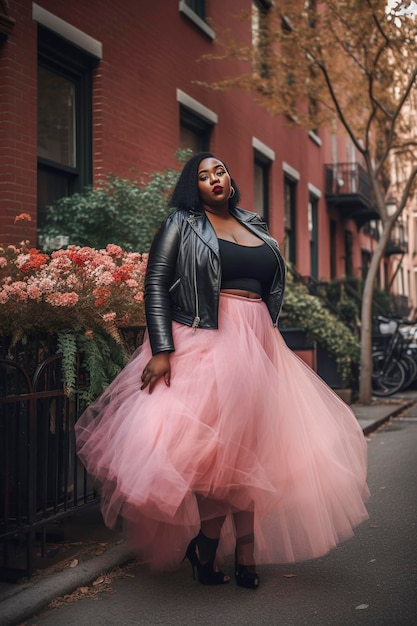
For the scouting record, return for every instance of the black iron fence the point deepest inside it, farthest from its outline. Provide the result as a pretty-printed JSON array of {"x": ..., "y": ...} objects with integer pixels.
[{"x": 41, "y": 478}]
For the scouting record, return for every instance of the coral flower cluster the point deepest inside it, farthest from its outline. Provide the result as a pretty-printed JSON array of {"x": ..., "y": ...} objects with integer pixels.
[{"x": 77, "y": 287}]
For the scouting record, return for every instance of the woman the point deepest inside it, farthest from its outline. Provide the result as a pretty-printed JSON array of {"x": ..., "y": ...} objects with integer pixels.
[{"x": 216, "y": 436}]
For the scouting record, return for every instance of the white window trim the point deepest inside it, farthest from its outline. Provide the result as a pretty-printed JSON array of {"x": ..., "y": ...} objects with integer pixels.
[
  {"x": 315, "y": 191},
  {"x": 196, "y": 107},
  {"x": 67, "y": 31},
  {"x": 290, "y": 171},
  {"x": 186, "y": 10},
  {"x": 314, "y": 137},
  {"x": 263, "y": 149}
]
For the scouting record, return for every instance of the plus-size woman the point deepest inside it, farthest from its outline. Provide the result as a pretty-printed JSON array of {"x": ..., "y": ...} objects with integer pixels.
[{"x": 216, "y": 438}]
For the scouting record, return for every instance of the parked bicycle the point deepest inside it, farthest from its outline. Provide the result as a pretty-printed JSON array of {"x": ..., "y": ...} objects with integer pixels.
[{"x": 394, "y": 366}]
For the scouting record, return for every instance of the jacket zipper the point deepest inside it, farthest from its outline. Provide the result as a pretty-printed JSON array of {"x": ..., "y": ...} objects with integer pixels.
[{"x": 196, "y": 320}]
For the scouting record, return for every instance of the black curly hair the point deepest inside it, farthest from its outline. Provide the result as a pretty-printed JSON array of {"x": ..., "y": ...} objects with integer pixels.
[{"x": 185, "y": 194}]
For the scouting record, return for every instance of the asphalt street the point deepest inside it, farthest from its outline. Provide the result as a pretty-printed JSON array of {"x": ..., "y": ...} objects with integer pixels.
[{"x": 370, "y": 580}]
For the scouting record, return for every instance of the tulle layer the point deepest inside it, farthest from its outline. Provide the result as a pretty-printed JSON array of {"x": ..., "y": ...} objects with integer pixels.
[{"x": 244, "y": 426}]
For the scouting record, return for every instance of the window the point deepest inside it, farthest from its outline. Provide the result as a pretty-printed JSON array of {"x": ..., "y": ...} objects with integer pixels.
[
  {"x": 386, "y": 275},
  {"x": 194, "y": 131},
  {"x": 261, "y": 187},
  {"x": 6, "y": 22},
  {"x": 64, "y": 119},
  {"x": 290, "y": 188},
  {"x": 260, "y": 37},
  {"x": 366, "y": 262},
  {"x": 195, "y": 11},
  {"x": 348, "y": 253},
  {"x": 262, "y": 159},
  {"x": 333, "y": 249},
  {"x": 56, "y": 118},
  {"x": 196, "y": 123},
  {"x": 198, "y": 6},
  {"x": 312, "y": 214}
]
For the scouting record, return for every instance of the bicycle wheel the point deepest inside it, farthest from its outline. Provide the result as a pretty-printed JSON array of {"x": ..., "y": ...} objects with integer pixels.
[
  {"x": 388, "y": 377},
  {"x": 410, "y": 367}
]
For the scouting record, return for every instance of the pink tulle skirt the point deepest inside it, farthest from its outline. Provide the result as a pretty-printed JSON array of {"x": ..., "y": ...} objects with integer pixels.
[{"x": 245, "y": 426}]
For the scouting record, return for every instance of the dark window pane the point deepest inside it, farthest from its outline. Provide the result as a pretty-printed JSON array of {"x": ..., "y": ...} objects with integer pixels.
[
  {"x": 194, "y": 131},
  {"x": 56, "y": 118},
  {"x": 52, "y": 185},
  {"x": 198, "y": 6},
  {"x": 290, "y": 188},
  {"x": 261, "y": 188},
  {"x": 192, "y": 140}
]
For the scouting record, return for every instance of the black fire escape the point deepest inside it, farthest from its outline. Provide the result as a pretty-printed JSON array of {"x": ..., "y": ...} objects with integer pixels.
[{"x": 348, "y": 190}]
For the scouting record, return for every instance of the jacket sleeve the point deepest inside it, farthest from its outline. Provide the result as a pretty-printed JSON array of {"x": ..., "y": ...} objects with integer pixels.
[{"x": 158, "y": 280}]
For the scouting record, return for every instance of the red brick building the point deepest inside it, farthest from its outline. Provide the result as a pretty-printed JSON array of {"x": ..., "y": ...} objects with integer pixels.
[{"x": 89, "y": 88}]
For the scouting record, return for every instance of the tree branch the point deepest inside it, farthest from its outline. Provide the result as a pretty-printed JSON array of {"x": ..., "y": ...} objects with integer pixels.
[{"x": 394, "y": 118}]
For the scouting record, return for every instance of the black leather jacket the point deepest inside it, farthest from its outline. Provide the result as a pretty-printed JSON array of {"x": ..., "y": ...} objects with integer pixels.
[{"x": 183, "y": 276}]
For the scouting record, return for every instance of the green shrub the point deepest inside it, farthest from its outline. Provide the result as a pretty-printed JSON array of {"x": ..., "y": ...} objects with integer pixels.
[
  {"x": 121, "y": 211},
  {"x": 307, "y": 311}
]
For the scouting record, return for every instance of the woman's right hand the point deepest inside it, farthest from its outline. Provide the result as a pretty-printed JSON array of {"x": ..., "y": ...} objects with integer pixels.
[{"x": 155, "y": 368}]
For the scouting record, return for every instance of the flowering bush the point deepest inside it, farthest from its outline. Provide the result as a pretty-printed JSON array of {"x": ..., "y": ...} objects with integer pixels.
[
  {"x": 84, "y": 296},
  {"x": 78, "y": 287}
]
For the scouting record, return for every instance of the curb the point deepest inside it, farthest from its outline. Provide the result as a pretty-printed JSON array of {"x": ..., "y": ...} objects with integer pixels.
[
  {"x": 32, "y": 600},
  {"x": 370, "y": 425}
]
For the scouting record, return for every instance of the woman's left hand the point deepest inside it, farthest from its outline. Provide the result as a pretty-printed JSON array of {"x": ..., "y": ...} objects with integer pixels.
[{"x": 155, "y": 368}]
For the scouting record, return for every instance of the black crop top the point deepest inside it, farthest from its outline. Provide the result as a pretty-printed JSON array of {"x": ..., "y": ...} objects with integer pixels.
[{"x": 250, "y": 268}]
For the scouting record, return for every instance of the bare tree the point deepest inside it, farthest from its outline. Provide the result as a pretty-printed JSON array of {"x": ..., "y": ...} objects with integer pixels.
[{"x": 349, "y": 61}]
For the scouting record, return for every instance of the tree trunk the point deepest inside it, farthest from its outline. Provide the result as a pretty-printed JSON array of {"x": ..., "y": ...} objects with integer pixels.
[{"x": 365, "y": 377}]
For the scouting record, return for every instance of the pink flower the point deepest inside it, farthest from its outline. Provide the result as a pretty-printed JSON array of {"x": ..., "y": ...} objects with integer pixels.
[
  {"x": 133, "y": 258},
  {"x": 106, "y": 278},
  {"x": 22, "y": 259},
  {"x": 82, "y": 280},
  {"x": 114, "y": 250},
  {"x": 69, "y": 298},
  {"x": 17, "y": 290},
  {"x": 46, "y": 285},
  {"x": 109, "y": 317},
  {"x": 34, "y": 293}
]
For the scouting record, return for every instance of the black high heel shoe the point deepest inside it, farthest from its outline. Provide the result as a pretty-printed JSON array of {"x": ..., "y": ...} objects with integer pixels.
[
  {"x": 204, "y": 546},
  {"x": 245, "y": 575}
]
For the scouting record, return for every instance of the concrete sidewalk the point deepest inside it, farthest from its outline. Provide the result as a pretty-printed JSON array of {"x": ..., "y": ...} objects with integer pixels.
[
  {"x": 20, "y": 602},
  {"x": 371, "y": 417}
]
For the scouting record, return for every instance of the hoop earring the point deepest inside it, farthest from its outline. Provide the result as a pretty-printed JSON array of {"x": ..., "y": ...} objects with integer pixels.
[{"x": 232, "y": 192}]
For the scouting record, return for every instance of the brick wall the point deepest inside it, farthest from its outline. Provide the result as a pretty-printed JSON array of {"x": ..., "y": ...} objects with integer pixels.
[
  {"x": 18, "y": 125},
  {"x": 149, "y": 51}
]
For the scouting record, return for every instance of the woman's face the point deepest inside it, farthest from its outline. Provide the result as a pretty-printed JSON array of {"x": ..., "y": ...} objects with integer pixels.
[{"x": 214, "y": 182}]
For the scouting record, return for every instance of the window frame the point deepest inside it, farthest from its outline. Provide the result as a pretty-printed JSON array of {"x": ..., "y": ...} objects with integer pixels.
[
  {"x": 62, "y": 58},
  {"x": 290, "y": 210},
  {"x": 263, "y": 157},
  {"x": 313, "y": 233},
  {"x": 195, "y": 16},
  {"x": 197, "y": 125}
]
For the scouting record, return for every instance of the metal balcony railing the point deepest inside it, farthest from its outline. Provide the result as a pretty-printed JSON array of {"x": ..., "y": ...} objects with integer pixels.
[
  {"x": 348, "y": 190},
  {"x": 396, "y": 245}
]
